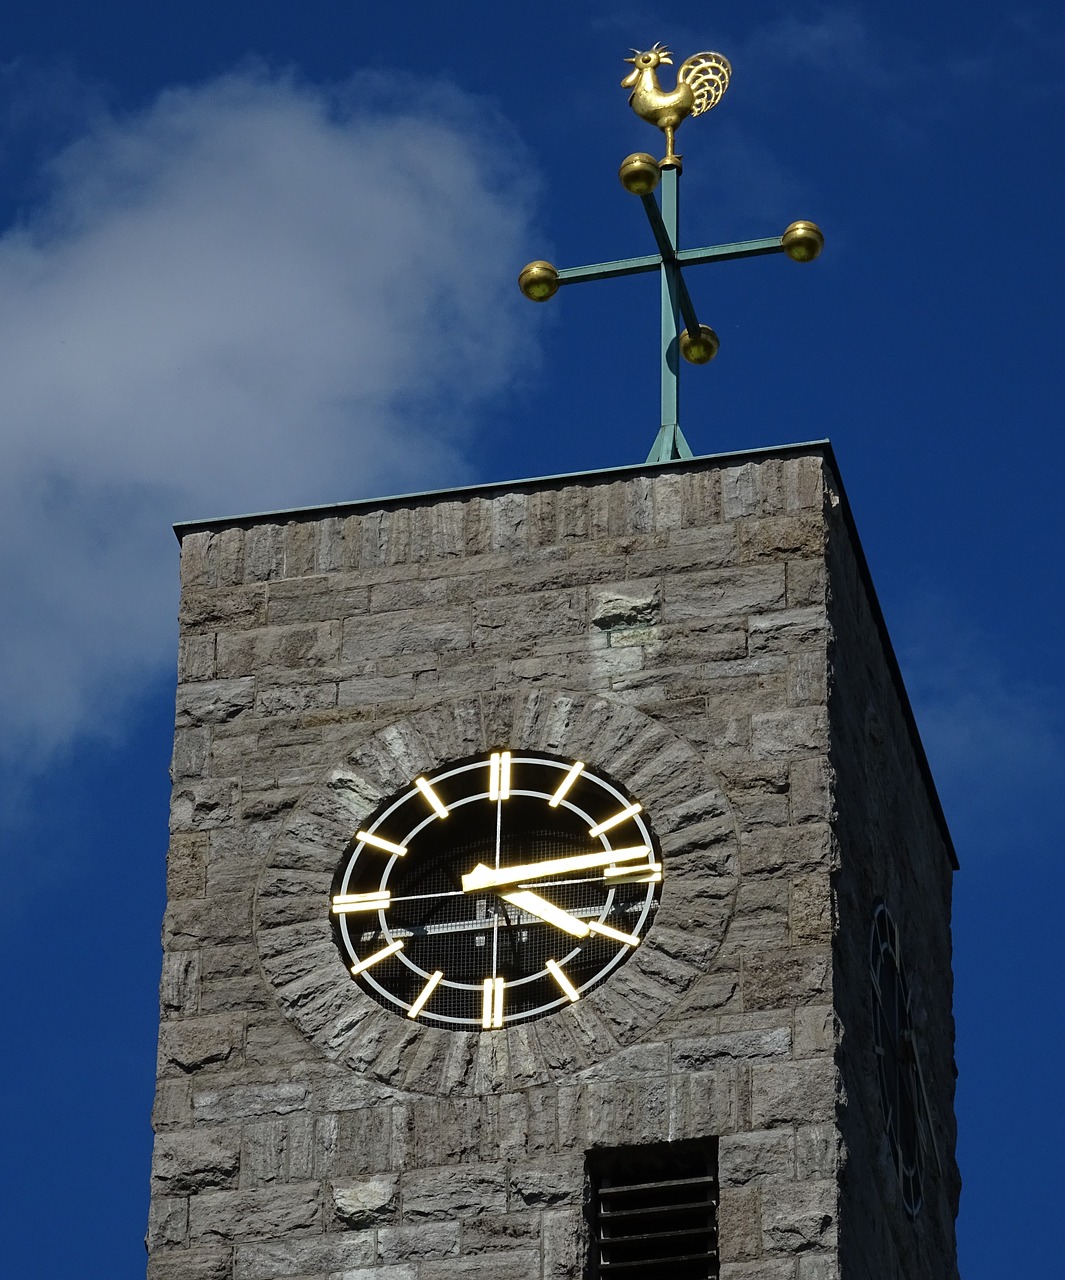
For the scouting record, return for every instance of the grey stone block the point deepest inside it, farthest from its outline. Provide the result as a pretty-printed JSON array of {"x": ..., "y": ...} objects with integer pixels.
[
  {"x": 782, "y": 1091},
  {"x": 273, "y": 1259},
  {"x": 440, "y": 1195},
  {"x": 798, "y": 731},
  {"x": 736, "y": 1046},
  {"x": 186, "y": 866},
  {"x": 187, "y": 1163},
  {"x": 775, "y": 978},
  {"x": 763, "y": 1269},
  {"x": 290, "y": 647},
  {"x": 492, "y": 1232},
  {"x": 810, "y": 909},
  {"x": 508, "y": 1264},
  {"x": 758, "y": 1157},
  {"x": 259, "y": 1214},
  {"x": 247, "y": 1101},
  {"x": 232, "y": 609},
  {"x": 547, "y": 1186},
  {"x": 700, "y": 598},
  {"x": 564, "y": 1245},
  {"x": 193, "y": 1044},
  {"x": 168, "y": 1219},
  {"x": 815, "y": 1031},
  {"x": 628, "y": 604},
  {"x": 191, "y": 1264},
  {"x": 214, "y": 701},
  {"x": 416, "y": 1244},
  {"x": 799, "y": 1216},
  {"x": 366, "y": 1203},
  {"x": 819, "y": 1266},
  {"x": 739, "y": 1223}
]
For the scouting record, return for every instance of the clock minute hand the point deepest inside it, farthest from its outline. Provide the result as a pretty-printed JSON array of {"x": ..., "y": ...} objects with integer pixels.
[
  {"x": 482, "y": 877},
  {"x": 537, "y": 906}
]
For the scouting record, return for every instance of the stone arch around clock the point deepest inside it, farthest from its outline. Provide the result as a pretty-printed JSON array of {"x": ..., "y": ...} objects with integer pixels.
[{"x": 699, "y": 844}]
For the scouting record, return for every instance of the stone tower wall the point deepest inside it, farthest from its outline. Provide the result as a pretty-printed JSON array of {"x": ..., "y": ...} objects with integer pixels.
[
  {"x": 668, "y": 623},
  {"x": 892, "y": 848}
]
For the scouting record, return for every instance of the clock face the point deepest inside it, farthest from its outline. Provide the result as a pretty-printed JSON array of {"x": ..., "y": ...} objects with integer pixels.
[
  {"x": 495, "y": 890},
  {"x": 898, "y": 1068}
]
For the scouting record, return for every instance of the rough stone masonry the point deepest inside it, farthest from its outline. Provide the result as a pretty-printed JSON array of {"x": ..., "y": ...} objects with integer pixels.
[{"x": 704, "y": 630}]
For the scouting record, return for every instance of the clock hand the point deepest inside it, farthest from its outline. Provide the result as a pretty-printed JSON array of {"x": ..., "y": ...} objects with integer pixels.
[
  {"x": 537, "y": 906},
  {"x": 482, "y": 877}
]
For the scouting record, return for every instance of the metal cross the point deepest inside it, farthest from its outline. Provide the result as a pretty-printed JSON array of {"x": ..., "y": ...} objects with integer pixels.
[
  {"x": 698, "y": 343},
  {"x": 701, "y": 81}
]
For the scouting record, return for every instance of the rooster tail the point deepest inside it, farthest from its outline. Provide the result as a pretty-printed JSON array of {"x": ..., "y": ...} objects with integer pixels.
[{"x": 707, "y": 75}]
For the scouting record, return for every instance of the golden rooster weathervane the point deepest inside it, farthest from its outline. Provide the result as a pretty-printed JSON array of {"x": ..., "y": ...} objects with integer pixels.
[{"x": 701, "y": 82}]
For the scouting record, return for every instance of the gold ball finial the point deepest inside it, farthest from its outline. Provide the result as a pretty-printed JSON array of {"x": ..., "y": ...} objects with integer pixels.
[
  {"x": 701, "y": 347},
  {"x": 538, "y": 281},
  {"x": 803, "y": 241},
  {"x": 639, "y": 173}
]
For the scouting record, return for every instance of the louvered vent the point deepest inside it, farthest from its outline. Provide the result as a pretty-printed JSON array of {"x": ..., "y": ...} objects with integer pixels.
[{"x": 654, "y": 1206}]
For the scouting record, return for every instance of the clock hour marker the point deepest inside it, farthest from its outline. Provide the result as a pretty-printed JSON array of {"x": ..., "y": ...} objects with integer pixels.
[
  {"x": 568, "y": 988},
  {"x": 647, "y": 873},
  {"x": 377, "y": 957},
  {"x": 426, "y": 992},
  {"x": 345, "y": 902},
  {"x": 492, "y": 1004},
  {"x": 499, "y": 776},
  {"x": 618, "y": 818},
  {"x": 566, "y": 783},
  {"x": 430, "y": 795},
  {"x": 628, "y": 939},
  {"x": 379, "y": 842}
]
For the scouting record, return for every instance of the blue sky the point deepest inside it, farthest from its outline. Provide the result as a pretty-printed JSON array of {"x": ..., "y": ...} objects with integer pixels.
[{"x": 262, "y": 256}]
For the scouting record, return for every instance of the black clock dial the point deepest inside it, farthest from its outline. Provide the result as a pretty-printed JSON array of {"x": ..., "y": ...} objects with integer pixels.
[
  {"x": 495, "y": 890},
  {"x": 898, "y": 1069}
]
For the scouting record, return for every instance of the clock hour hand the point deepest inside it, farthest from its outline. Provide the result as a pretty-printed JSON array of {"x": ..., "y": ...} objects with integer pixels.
[
  {"x": 482, "y": 877},
  {"x": 537, "y": 906}
]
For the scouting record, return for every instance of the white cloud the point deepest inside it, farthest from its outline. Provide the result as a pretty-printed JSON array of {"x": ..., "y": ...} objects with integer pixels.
[{"x": 253, "y": 294}]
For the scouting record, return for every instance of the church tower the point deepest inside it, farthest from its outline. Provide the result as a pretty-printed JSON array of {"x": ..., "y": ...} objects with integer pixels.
[{"x": 557, "y": 887}]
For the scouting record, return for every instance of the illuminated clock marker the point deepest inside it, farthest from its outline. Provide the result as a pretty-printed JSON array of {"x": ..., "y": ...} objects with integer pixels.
[
  {"x": 568, "y": 988},
  {"x": 492, "y": 1004},
  {"x": 618, "y": 818},
  {"x": 566, "y": 783},
  {"x": 345, "y": 902},
  {"x": 430, "y": 795},
  {"x": 499, "y": 775},
  {"x": 427, "y": 991},
  {"x": 648, "y": 873},
  {"x": 377, "y": 957},
  {"x": 629, "y": 939},
  {"x": 379, "y": 842}
]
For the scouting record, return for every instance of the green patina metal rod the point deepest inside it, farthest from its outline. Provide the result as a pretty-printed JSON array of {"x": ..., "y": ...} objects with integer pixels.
[
  {"x": 686, "y": 258},
  {"x": 670, "y": 442}
]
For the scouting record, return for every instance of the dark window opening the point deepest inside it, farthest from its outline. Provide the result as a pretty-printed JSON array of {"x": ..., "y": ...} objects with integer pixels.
[{"x": 653, "y": 1206}]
